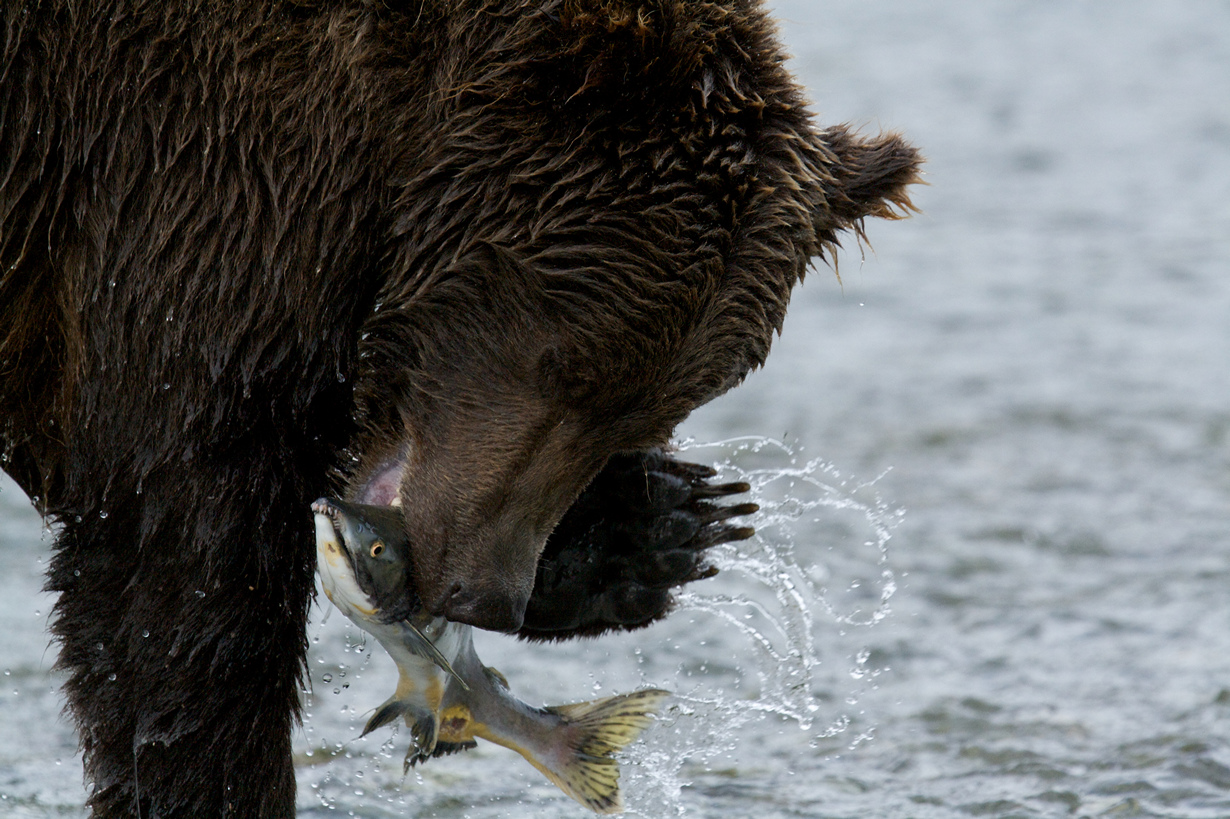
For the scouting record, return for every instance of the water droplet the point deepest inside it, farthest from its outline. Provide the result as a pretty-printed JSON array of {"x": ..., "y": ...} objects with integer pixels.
[
  {"x": 327, "y": 678},
  {"x": 102, "y": 513},
  {"x": 145, "y": 633},
  {"x": 199, "y": 593},
  {"x": 111, "y": 676},
  {"x": 341, "y": 377}
]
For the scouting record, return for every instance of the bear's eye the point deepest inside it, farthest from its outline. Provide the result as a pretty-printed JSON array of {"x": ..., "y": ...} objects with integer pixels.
[{"x": 377, "y": 548}]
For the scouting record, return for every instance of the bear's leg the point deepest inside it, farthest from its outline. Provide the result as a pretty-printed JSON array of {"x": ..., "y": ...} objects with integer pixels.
[
  {"x": 181, "y": 621},
  {"x": 638, "y": 530}
]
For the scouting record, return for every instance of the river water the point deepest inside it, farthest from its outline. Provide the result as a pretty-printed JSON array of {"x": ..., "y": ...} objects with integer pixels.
[{"x": 993, "y": 564}]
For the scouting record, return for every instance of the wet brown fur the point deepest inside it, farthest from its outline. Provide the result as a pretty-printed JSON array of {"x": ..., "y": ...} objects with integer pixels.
[{"x": 251, "y": 251}]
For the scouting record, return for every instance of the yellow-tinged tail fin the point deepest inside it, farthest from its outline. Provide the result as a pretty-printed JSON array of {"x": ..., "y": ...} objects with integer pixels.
[{"x": 595, "y": 731}]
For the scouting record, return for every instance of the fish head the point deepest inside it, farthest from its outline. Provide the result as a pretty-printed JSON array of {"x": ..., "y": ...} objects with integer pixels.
[{"x": 363, "y": 554}]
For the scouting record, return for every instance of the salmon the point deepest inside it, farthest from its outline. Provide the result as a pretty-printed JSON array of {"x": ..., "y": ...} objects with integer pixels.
[{"x": 445, "y": 695}]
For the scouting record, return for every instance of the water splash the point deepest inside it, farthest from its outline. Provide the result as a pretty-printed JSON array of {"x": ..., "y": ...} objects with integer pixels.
[{"x": 770, "y": 609}]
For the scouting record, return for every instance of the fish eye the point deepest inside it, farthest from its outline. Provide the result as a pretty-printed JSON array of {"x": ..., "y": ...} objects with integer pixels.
[{"x": 377, "y": 548}]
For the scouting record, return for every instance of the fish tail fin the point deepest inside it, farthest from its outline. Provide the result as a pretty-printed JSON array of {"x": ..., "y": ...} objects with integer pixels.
[{"x": 593, "y": 732}]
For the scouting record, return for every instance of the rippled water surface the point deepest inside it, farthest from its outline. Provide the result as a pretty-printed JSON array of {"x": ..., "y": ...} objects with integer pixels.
[{"x": 992, "y": 571}]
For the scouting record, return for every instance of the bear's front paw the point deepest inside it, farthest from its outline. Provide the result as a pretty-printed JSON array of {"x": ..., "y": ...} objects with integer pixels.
[{"x": 638, "y": 530}]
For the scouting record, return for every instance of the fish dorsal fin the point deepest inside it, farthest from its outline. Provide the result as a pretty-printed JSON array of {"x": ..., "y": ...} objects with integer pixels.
[{"x": 594, "y": 732}]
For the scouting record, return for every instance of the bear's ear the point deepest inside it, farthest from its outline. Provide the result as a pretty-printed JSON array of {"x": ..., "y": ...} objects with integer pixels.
[
  {"x": 809, "y": 187},
  {"x": 866, "y": 177}
]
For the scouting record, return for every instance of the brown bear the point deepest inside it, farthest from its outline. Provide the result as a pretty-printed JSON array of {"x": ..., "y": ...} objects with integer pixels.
[{"x": 467, "y": 257}]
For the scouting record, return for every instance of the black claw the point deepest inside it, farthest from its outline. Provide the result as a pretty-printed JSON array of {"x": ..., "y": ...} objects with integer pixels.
[
  {"x": 720, "y": 490},
  {"x": 696, "y": 472},
  {"x": 717, "y": 535},
  {"x": 714, "y": 514},
  {"x": 702, "y": 573}
]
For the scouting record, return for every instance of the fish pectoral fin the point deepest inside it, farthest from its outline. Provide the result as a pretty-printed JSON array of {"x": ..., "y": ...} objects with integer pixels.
[
  {"x": 594, "y": 732},
  {"x": 389, "y": 712}
]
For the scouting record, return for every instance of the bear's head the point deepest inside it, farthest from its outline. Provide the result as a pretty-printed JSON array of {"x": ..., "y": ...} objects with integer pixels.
[{"x": 597, "y": 232}]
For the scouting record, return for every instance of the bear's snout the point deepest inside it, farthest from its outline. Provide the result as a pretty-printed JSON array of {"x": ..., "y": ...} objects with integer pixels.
[{"x": 491, "y": 608}]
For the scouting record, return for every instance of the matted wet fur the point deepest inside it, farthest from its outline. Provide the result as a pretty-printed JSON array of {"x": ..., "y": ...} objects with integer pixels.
[{"x": 460, "y": 251}]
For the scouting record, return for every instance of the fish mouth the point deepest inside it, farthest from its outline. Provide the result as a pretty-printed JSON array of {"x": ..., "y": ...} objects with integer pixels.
[
  {"x": 330, "y": 509},
  {"x": 334, "y": 513},
  {"x": 344, "y": 589},
  {"x": 335, "y": 562}
]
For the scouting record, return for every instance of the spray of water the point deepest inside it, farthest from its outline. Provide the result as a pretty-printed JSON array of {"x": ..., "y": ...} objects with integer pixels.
[
  {"x": 777, "y": 615},
  {"x": 776, "y": 636}
]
